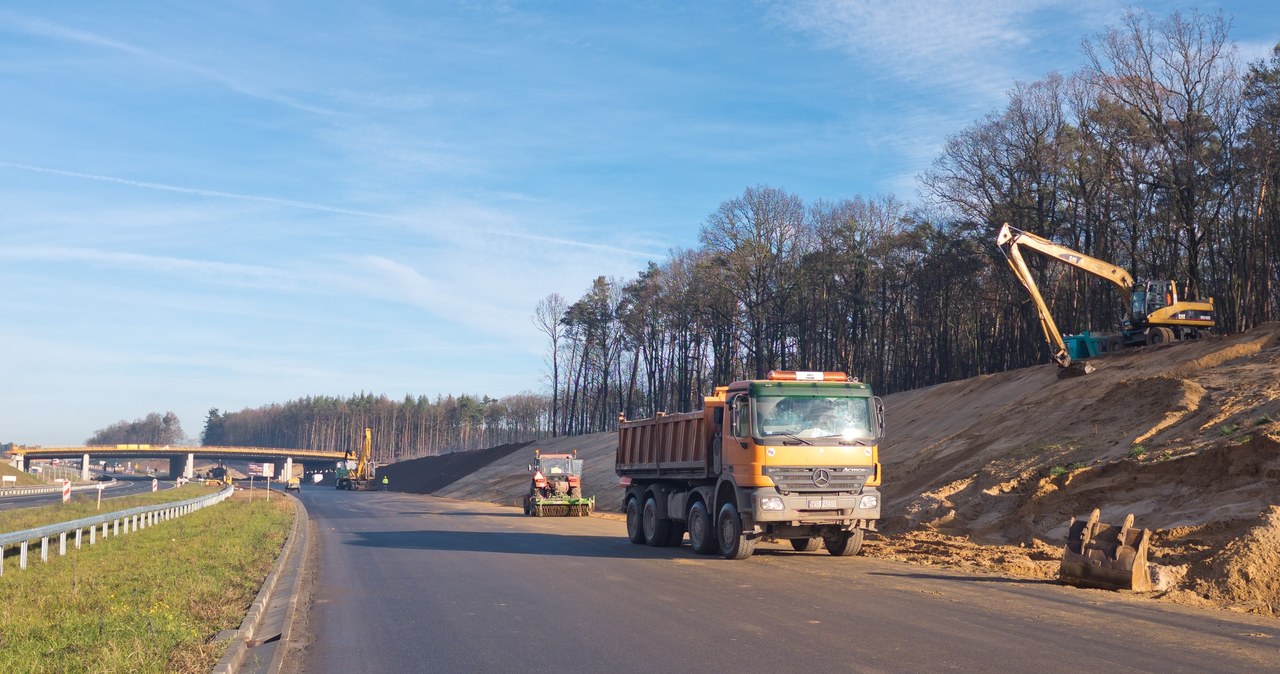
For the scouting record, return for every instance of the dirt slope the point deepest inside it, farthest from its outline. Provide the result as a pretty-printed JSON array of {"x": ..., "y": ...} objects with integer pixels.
[{"x": 985, "y": 473}]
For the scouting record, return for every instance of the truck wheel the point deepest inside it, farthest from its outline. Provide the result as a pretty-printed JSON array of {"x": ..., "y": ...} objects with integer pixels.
[
  {"x": 806, "y": 544},
  {"x": 844, "y": 543},
  {"x": 675, "y": 535},
  {"x": 734, "y": 543},
  {"x": 635, "y": 533},
  {"x": 1115, "y": 343},
  {"x": 702, "y": 532},
  {"x": 657, "y": 531}
]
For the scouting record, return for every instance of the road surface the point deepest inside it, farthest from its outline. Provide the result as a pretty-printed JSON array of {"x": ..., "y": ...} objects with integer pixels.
[{"x": 415, "y": 583}]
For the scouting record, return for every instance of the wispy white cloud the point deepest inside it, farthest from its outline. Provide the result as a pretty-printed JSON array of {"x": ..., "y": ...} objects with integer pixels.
[
  {"x": 222, "y": 270},
  {"x": 495, "y": 231},
  {"x": 54, "y": 31},
  {"x": 968, "y": 44}
]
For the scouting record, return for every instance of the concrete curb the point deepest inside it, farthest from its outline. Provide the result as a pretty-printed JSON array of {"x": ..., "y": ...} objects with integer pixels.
[{"x": 291, "y": 559}]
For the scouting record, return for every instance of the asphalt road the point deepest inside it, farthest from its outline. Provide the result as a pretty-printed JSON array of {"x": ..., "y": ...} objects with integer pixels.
[{"x": 414, "y": 583}]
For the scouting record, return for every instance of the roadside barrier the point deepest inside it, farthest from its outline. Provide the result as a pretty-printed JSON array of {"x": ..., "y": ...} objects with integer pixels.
[
  {"x": 110, "y": 524},
  {"x": 26, "y": 491}
]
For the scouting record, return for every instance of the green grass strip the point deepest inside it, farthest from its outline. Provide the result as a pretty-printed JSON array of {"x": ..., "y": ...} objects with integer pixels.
[
  {"x": 148, "y": 601},
  {"x": 25, "y": 479},
  {"x": 85, "y": 504}
]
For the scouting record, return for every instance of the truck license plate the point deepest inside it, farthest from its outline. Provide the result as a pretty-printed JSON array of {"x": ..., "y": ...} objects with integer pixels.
[{"x": 827, "y": 503}]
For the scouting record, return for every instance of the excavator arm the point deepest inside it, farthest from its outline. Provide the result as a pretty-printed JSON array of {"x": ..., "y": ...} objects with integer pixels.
[{"x": 1010, "y": 241}]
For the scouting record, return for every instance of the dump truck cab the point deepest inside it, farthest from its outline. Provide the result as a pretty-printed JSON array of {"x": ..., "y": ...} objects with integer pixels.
[{"x": 801, "y": 450}]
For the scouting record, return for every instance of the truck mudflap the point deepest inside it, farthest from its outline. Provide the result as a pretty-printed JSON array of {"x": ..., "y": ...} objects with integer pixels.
[
  {"x": 768, "y": 506},
  {"x": 1106, "y": 556}
]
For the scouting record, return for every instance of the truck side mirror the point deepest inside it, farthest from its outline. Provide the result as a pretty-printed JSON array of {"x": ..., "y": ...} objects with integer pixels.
[{"x": 879, "y": 417}]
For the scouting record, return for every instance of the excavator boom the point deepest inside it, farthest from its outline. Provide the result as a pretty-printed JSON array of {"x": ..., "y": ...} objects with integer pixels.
[{"x": 1008, "y": 240}]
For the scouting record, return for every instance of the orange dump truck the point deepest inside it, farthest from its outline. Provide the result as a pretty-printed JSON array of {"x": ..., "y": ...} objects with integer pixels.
[{"x": 794, "y": 456}]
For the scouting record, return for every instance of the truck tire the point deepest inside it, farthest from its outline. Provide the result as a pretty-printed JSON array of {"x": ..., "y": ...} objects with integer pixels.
[
  {"x": 657, "y": 531},
  {"x": 1115, "y": 343},
  {"x": 844, "y": 543},
  {"x": 806, "y": 544},
  {"x": 702, "y": 531},
  {"x": 734, "y": 543},
  {"x": 635, "y": 532},
  {"x": 675, "y": 535}
]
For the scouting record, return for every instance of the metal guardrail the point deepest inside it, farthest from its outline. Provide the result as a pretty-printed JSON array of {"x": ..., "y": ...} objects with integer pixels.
[
  {"x": 57, "y": 489},
  {"x": 133, "y": 520}
]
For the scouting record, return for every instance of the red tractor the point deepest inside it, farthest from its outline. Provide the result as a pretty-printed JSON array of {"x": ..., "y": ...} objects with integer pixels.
[{"x": 556, "y": 487}]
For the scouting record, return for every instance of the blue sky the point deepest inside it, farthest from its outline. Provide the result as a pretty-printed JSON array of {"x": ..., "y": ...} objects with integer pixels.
[{"x": 229, "y": 204}]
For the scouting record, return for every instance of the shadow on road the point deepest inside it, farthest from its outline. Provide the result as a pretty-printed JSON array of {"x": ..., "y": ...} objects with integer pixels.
[
  {"x": 967, "y": 579},
  {"x": 516, "y": 543}
]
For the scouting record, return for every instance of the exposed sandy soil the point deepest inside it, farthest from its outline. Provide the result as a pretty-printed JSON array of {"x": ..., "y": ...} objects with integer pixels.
[{"x": 985, "y": 474}]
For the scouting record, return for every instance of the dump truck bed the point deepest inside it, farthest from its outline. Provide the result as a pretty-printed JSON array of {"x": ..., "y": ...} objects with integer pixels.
[{"x": 668, "y": 446}]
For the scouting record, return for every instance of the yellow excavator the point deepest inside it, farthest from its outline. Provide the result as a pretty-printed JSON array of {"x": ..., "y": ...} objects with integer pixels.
[
  {"x": 355, "y": 472},
  {"x": 1154, "y": 312}
]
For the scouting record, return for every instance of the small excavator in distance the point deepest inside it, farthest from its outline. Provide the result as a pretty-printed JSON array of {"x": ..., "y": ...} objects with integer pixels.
[
  {"x": 1154, "y": 313},
  {"x": 355, "y": 473},
  {"x": 555, "y": 489}
]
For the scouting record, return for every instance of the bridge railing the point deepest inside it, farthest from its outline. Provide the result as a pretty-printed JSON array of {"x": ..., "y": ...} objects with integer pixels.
[{"x": 110, "y": 524}]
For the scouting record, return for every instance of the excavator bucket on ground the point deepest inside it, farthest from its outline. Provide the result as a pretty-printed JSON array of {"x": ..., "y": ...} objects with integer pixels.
[
  {"x": 1077, "y": 368},
  {"x": 1106, "y": 556}
]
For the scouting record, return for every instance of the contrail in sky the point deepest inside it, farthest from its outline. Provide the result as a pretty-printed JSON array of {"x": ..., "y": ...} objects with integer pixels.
[{"x": 314, "y": 207}]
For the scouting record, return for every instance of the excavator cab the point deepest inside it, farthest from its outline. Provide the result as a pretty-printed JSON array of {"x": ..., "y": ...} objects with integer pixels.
[{"x": 1152, "y": 296}]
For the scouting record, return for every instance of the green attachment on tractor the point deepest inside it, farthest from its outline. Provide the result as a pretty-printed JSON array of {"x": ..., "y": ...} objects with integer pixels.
[{"x": 538, "y": 506}]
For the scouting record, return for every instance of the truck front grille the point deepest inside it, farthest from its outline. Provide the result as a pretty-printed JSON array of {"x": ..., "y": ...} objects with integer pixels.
[{"x": 848, "y": 479}]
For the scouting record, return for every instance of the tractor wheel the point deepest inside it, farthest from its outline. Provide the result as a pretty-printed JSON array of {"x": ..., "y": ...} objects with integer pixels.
[
  {"x": 844, "y": 543},
  {"x": 806, "y": 544},
  {"x": 657, "y": 531},
  {"x": 734, "y": 543},
  {"x": 702, "y": 531},
  {"x": 635, "y": 532}
]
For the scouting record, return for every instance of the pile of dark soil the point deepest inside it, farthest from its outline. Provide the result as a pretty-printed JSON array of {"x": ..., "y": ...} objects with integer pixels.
[{"x": 430, "y": 473}]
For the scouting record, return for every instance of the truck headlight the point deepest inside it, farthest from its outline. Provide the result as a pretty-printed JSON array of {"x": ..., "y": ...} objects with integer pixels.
[
  {"x": 771, "y": 503},
  {"x": 868, "y": 502}
]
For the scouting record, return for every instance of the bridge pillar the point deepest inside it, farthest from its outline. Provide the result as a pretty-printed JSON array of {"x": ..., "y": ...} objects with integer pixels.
[
  {"x": 84, "y": 468},
  {"x": 288, "y": 470},
  {"x": 19, "y": 462},
  {"x": 190, "y": 470}
]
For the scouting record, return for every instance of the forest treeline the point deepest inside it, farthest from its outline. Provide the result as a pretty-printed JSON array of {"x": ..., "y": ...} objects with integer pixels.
[
  {"x": 1161, "y": 155},
  {"x": 154, "y": 429}
]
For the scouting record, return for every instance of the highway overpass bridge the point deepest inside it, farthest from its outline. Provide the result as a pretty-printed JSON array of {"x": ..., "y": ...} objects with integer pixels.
[{"x": 181, "y": 459}]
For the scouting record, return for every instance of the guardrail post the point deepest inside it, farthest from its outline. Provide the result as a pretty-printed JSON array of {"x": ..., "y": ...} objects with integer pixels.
[
  {"x": 22, "y": 557},
  {"x": 44, "y": 549},
  {"x": 93, "y": 534},
  {"x": 1, "y": 561},
  {"x": 117, "y": 528},
  {"x": 62, "y": 544},
  {"x": 78, "y": 538}
]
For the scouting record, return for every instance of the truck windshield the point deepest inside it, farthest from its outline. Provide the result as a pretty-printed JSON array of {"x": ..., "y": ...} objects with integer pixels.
[{"x": 847, "y": 418}]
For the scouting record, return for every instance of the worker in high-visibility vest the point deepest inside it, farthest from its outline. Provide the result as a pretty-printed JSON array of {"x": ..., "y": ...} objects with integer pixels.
[{"x": 384, "y": 483}]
